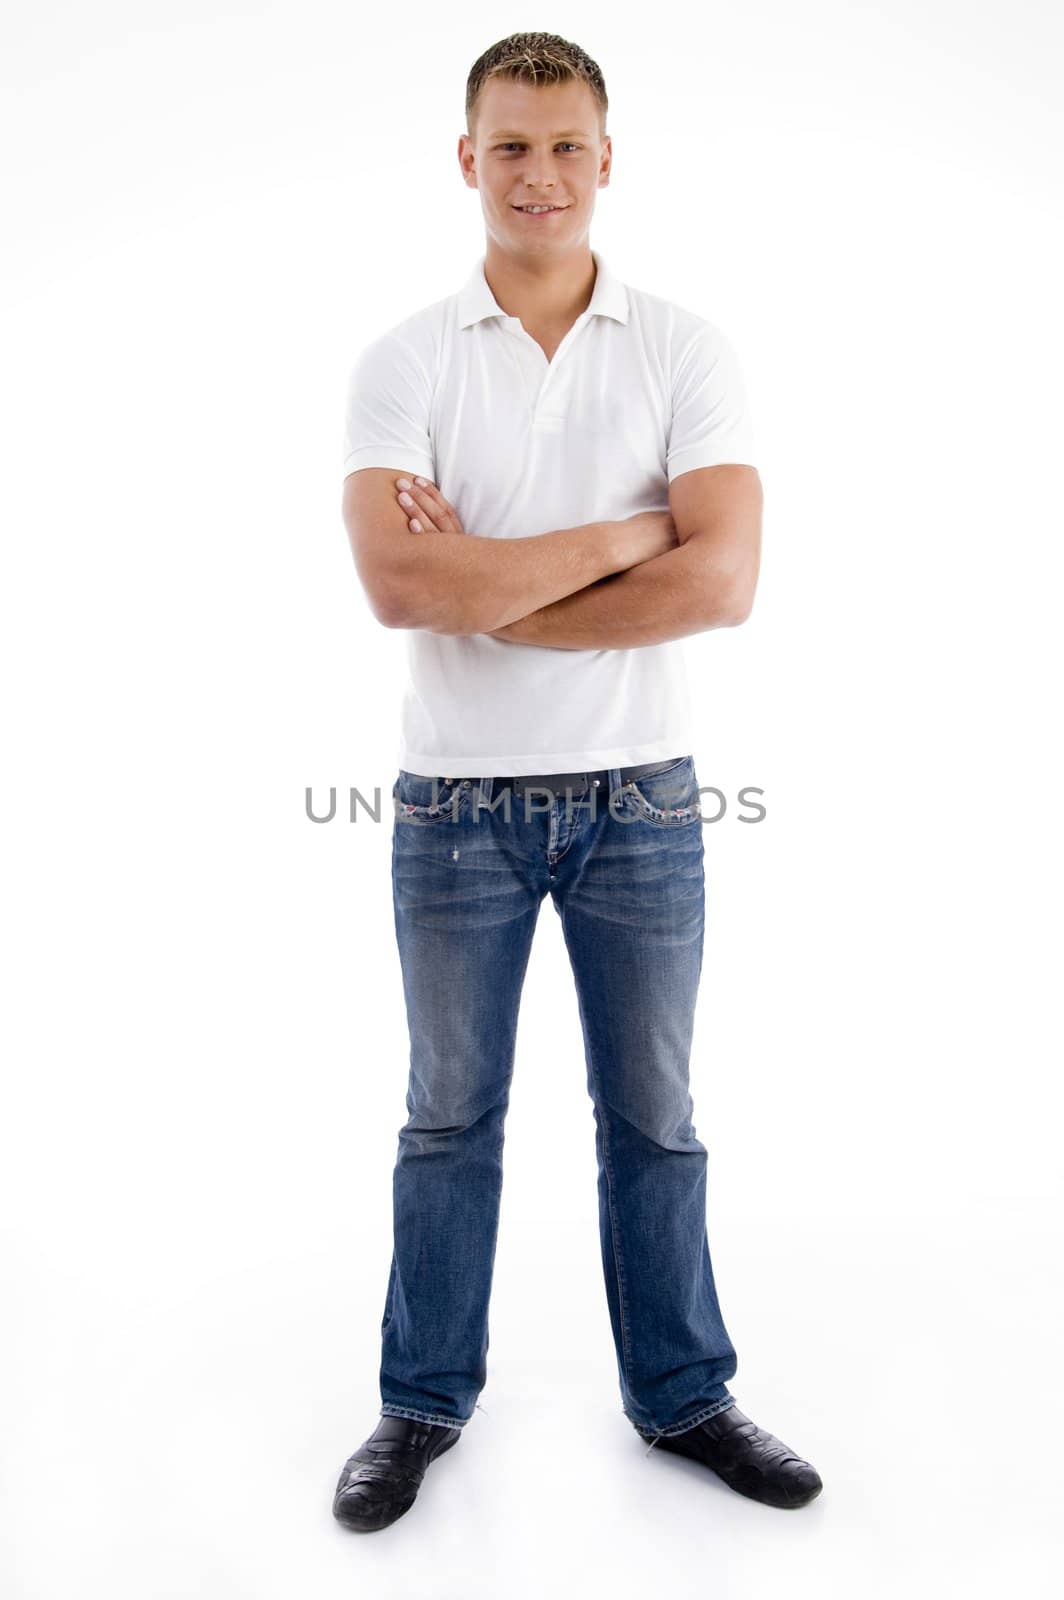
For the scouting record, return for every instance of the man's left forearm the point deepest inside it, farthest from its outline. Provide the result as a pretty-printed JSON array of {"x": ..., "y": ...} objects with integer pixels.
[{"x": 674, "y": 595}]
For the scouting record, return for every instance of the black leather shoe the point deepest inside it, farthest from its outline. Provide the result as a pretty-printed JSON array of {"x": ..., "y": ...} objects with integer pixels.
[
  {"x": 381, "y": 1480},
  {"x": 749, "y": 1460}
]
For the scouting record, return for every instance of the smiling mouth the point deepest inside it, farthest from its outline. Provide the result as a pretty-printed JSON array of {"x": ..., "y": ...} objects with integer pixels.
[{"x": 525, "y": 212}]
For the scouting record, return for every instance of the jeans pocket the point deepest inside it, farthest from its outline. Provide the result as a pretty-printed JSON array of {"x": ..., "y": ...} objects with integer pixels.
[
  {"x": 668, "y": 798},
  {"x": 430, "y": 801}
]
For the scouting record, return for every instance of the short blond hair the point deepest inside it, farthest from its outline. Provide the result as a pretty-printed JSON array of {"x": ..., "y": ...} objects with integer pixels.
[{"x": 538, "y": 58}]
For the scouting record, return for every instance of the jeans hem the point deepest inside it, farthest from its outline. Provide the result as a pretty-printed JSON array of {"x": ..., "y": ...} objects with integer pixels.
[
  {"x": 682, "y": 1427},
  {"x": 433, "y": 1417}
]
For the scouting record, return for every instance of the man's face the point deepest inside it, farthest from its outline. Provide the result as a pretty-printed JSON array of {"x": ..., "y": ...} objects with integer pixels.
[{"x": 536, "y": 145}]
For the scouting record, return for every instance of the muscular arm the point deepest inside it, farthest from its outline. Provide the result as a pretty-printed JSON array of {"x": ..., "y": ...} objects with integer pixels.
[
  {"x": 461, "y": 583},
  {"x": 667, "y": 598},
  {"x": 707, "y": 581}
]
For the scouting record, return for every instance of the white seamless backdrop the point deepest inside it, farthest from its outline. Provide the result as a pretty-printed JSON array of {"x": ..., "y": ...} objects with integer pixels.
[{"x": 208, "y": 211}]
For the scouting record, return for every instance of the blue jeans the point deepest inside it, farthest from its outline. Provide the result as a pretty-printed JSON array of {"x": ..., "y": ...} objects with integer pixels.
[{"x": 471, "y": 862}]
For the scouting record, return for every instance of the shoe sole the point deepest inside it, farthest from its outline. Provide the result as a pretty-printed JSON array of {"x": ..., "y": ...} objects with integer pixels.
[{"x": 388, "y": 1515}]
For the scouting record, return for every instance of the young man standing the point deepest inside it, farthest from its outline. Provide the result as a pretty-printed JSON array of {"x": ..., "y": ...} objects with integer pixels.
[{"x": 509, "y": 454}]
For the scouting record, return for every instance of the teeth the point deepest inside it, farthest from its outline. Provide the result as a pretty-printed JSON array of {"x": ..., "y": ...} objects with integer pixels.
[{"x": 536, "y": 209}]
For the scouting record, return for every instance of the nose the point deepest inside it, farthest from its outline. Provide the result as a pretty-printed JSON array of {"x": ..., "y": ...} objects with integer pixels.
[{"x": 538, "y": 172}]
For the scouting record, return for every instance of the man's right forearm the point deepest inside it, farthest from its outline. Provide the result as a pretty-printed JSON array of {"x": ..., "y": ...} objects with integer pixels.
[{"x": 464, "y": 583}]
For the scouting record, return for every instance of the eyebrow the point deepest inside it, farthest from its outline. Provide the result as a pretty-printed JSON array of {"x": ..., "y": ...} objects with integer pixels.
[{"x": 569, "y": 133}]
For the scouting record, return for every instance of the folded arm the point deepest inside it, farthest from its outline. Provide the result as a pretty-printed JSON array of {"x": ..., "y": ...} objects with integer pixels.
[
  {"x": 448, "y": 581},
  {"x": 707, "y": 581}
]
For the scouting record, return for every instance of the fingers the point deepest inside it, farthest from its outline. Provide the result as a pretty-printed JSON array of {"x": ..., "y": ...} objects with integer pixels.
[
  {"x": 424, "y": 503},
  {"x": 419, "y": 510}
]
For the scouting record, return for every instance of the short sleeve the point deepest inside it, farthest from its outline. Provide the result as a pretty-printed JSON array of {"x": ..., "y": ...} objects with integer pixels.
[
  {"x": 711, "y": 422},
  {"x": 386, "y": 422}
]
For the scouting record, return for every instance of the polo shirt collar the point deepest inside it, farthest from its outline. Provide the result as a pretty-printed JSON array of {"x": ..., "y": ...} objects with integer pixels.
[{"x": 609, "y": 298}]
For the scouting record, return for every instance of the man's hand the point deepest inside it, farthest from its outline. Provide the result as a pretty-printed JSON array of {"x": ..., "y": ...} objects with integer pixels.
[
  {"x": 426, "y": 509},
  {"x": 649, "y": 534}
]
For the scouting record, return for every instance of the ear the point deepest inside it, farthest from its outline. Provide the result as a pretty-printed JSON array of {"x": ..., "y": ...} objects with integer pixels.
[{"x": 467, "y": 161}]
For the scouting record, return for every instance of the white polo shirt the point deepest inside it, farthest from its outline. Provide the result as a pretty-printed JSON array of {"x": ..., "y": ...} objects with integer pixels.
[{"x": 639, "y": 391}]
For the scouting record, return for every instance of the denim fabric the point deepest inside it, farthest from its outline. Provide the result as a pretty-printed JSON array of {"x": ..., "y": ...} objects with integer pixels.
[{"x": 471, "y": 863}]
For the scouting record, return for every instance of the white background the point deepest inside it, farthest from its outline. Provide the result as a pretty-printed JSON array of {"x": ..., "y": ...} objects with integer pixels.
[{"x": 208, "y": 211}]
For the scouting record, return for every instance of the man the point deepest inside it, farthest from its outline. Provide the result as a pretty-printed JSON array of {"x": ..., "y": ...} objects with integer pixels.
[{"x": 508, "y": 453}]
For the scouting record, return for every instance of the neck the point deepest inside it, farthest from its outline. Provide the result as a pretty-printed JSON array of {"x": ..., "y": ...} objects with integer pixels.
[{"x": 543, "y": 292}]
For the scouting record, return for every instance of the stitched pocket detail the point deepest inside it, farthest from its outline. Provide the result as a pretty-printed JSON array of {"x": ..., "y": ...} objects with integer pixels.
[
  {"x": 668, "y": 798},
  {"x": 412, "y": 800}
]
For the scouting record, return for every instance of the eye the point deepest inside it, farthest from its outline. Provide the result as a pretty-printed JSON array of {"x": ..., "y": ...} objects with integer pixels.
[{"x": 515, "y": 144}]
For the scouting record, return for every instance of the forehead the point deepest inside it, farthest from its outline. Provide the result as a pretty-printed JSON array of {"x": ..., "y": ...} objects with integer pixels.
[{"x": 506, "y": 107}]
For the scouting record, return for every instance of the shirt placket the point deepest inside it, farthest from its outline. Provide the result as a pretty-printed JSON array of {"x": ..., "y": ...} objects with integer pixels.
[{"x": 545, "y": 387}]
